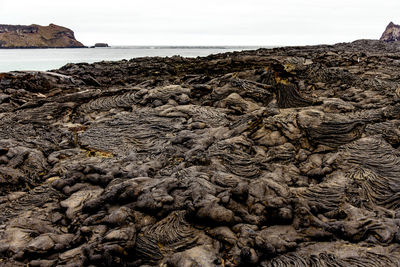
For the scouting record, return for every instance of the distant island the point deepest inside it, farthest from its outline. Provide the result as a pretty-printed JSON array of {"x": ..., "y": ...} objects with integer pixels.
[
  {"x": 100, "y": 45},
  {"x": 37, "y": 36}
]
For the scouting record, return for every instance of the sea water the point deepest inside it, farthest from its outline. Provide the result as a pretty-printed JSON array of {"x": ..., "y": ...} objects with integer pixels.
[{"x": 48, "y": 59}]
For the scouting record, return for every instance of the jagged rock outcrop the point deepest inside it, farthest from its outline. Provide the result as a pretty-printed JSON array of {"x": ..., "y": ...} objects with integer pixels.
[
  {"x": 274, "y": 157},
  {"x": 391, "y": 33},
  {"x": 36, "y": 36}
]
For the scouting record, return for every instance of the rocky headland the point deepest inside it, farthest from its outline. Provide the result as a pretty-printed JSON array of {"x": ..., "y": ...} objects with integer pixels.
[
  {"x": 274, "y": 157},
  {"x": 391, "y": 33},
  {"x": 36, "y": 36}
]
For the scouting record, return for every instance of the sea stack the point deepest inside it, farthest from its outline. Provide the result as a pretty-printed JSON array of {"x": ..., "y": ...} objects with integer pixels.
[
  {"x": 392, "y": 33},
  {"x": 36, "y": 36}
]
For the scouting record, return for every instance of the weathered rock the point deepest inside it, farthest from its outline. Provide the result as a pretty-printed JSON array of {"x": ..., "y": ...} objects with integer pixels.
[
  {"x": 391, "y": 33},
  {"x": 275, "y": 157}
]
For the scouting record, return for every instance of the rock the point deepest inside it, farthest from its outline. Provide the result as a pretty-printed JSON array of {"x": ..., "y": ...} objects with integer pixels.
[
  {"x": 76, "y": 201},
  {"x": 42, "y": 263},
  {"x": 224, "y": 234},
  {"x": 391, "y": 33},
  {"x": 40, "y": 244},
  {"x": 36, "y": 36},
  {"x": 274, "y": 157},
  {"x": 197, "y": 256},
  {"x": 101, "y": 45},
  {"x": 128, "y": 233}
]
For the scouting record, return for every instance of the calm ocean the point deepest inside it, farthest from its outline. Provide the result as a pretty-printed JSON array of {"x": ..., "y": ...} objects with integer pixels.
[{"x": 48, "y": 59}]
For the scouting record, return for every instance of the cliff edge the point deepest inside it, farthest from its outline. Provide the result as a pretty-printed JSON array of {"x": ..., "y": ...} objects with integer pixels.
[
  {"x": 37, "y": 36},
  {"x": 391, "y": 34}
]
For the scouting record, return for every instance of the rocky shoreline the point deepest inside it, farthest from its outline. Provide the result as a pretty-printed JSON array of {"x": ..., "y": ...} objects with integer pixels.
[{"x": 273, "y": 157}]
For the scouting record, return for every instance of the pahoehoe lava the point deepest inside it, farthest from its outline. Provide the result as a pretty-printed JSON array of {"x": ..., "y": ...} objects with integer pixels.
[{"x": 272, "y": 157}]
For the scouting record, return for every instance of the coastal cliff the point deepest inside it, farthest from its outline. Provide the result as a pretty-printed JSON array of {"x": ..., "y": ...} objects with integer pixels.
[
  {"x": 37, "y": 36},
  {"x": 391, "y": 34}
]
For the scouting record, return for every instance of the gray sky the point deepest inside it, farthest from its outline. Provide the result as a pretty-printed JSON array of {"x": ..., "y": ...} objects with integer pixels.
[{"x": 208, "y": 22}]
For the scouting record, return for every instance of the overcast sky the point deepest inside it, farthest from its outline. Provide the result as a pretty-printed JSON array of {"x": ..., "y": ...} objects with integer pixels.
[{"x": 209, "y": 22}]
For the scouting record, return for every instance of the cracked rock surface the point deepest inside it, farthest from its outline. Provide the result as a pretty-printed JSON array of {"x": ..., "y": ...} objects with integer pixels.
[{"x": 275, "y": 157}]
